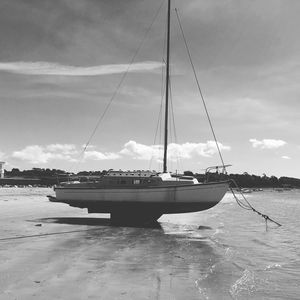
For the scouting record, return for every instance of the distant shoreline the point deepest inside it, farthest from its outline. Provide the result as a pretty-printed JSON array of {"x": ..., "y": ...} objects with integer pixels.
[{"x": 47, "y": 178}]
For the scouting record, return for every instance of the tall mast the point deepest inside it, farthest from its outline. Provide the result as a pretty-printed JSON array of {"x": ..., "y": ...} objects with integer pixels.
[{"x": 167, "y": 91}]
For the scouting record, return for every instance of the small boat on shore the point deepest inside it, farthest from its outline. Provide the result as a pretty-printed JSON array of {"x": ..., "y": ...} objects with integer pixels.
[
  {"x": 140, "y": 197},
  {"x": 143, "y": 196}
]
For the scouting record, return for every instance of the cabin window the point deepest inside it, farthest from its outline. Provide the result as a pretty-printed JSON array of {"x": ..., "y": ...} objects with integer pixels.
[
  {"x": 136, "y": 181},
  {"x": 123, "y": 181}
]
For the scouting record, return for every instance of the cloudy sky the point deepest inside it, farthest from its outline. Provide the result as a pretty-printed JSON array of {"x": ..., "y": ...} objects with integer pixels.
[{"x": 62, "y": 61}]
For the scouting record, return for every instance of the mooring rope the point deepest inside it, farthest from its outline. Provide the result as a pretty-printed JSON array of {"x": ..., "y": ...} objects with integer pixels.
[
  {"x": 45, "y": 234},
  {"x": 247, "y": 204}
]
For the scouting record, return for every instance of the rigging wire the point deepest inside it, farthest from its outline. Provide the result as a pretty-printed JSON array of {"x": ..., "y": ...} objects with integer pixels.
[
  {"x": 174, "y": 126},
  {"x": 156, "y": 131},
  {"x": 159, "y": 119},
  {"x": 101, "y": 117},
  {"x": 171, "y": 108},
  {"x": 200, "y": 91},
  {"x": 170, "y": 129},
  {"x": 246, "y": 204},
  {"x": 172, "y": 113}
]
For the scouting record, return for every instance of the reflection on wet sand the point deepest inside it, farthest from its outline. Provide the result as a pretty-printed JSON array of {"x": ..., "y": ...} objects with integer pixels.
[
  {"x": 59, "y": 252},
  {"x": 136, "y": 263},
  {"x": 71, "y": 256},
  {"x": 159, "y": 262}
]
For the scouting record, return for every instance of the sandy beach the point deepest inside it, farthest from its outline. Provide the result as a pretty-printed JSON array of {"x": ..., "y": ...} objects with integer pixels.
[{"x": 53, "y": 251}]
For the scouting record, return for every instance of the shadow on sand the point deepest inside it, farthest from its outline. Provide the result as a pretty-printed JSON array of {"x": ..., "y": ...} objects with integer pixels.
[
  {"x": 93, "y": 222},
  {"x": 202, "y": 227},
  {"x": 106, "y": 222}
]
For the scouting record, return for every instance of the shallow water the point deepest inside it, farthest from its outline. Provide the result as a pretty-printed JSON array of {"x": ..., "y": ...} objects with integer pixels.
[{"x": 52, "y": 251}]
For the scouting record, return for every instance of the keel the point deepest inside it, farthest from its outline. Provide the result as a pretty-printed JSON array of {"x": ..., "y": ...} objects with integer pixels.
[{"x": 134, "y": 217}]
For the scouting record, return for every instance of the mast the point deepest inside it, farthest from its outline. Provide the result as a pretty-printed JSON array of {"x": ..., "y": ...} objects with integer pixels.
[{"x": 167, "y": 90}]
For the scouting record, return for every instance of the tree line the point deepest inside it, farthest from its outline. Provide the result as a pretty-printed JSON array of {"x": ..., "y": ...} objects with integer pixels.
[{"x": 53, "y": 176}]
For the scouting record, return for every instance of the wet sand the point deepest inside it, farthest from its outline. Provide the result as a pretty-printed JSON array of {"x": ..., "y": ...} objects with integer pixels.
[{"x": 52, "y": 251}]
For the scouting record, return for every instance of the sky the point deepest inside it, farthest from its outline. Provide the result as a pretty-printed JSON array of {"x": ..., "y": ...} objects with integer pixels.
[{"x": 63, "y": 62}]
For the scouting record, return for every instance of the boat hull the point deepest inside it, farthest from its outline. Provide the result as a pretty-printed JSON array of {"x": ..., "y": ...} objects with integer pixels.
[{"x": 162, "y": 199}]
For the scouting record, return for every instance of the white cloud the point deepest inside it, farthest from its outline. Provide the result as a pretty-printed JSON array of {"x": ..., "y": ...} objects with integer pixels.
[
  {"x": 143, "y": 152},
  {"x": 36, "y": 154},
  {"x": 88, "y": 146},
  {"x": 267, "y": 143},
  {"x": 175, "y": 151},
  {"x": 285, "y": 157},
  {"x": 46, "y": 68},
  {"x": 64, "y": 148},
  {"x": 96, "y": 155},
  {"x": 187, "y": 150},
  {"x": 2, "y": 155}
]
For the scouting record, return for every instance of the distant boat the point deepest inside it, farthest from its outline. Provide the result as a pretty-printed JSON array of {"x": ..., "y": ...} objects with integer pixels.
[
  {"x": 143, "y": 196},
  {"x": 246, "y": 191}
]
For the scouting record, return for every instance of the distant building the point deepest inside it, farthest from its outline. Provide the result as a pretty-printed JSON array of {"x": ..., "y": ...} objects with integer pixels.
[
  {"x": 143, "y": 173},
  {"x": 2, "y": 169}
]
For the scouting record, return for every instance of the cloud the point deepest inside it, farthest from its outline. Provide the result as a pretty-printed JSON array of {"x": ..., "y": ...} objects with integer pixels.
[
  {"x": 96, "y": 155},
  {"x": 36, "y": 154},
  {"x": 63, "y": 148},
  {"x": 267, "y": 143},
  {"x": 143, "y": 152},
  {"x": 88, "y": 146},
  {"x": 188, "y": 150},
  {"x": 2, "y": 155},
  {"x": 175, "y": 151},
  {"x": 47, "y": 68},
  {"x": 285, "y": 157}
]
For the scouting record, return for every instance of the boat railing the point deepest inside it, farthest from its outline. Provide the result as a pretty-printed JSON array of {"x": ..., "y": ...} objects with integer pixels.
[{"x": 220, "y": 171}]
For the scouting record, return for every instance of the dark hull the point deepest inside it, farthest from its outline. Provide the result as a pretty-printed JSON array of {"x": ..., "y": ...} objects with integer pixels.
[
  {"x": 137, "y": 213},
  {"x": 144, "y": 204}
]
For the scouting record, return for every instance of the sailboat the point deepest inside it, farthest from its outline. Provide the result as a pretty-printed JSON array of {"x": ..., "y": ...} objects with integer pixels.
[{"x": 143, "y": 196}]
